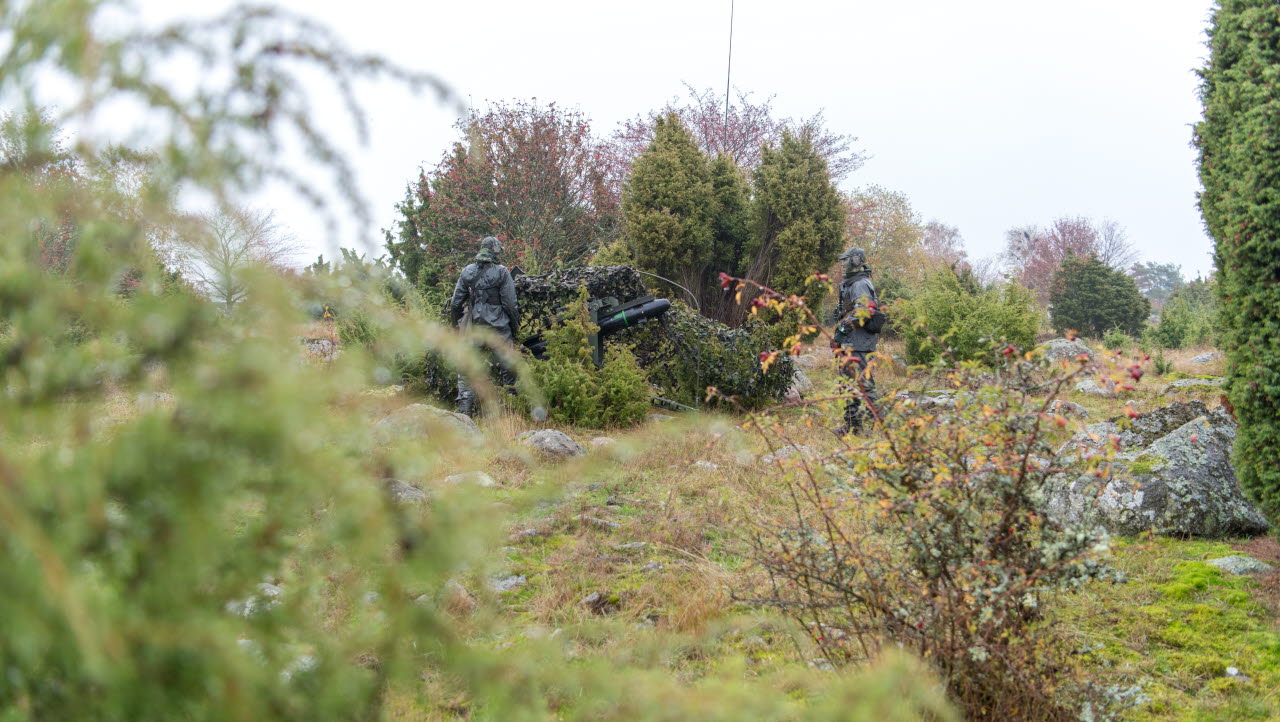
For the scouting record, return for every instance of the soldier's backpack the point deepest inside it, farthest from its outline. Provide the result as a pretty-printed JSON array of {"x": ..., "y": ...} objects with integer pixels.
[{"x": 875, "y": 322}]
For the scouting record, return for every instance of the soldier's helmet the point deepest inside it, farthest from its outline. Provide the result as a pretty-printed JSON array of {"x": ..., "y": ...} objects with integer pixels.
[
  {"x": 490, "y": 247},
  {"x": 855, "y": 257}
]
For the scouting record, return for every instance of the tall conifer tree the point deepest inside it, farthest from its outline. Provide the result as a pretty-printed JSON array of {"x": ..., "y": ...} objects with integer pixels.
[
  {"x": 1239, "y": 144},
  {"x": 798, "y": 220},
  {"x": 731, "y": 220},
  {"x": 668, "y": 205}
]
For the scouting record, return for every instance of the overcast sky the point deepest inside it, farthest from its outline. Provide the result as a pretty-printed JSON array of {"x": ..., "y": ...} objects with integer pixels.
[{"x": 987, "y": 114}]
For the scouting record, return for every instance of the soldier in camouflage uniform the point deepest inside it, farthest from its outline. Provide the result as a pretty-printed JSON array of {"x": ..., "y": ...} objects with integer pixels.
[
  {"x": 488, "y": 291},
  {"x": 858, "y": 300}
]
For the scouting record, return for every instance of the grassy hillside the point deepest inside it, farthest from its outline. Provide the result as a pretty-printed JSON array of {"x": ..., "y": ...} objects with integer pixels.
[{"x": 633, "y": 560}]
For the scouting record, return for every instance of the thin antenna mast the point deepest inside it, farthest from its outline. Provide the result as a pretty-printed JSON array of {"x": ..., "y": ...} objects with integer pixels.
[{"x": 727, "y": 75}]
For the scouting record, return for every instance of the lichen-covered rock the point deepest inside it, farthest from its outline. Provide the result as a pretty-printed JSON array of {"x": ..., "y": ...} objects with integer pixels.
[
  {"x": 1090, "y": 387},
  {"x": 402, "y": 493},
  {"x": 807, "y": 362},
  {"x": 1060, "y": 349},
  {"x": 509, "y": 583},
  {"x": 1191, "y": 385},
  {"x": 1179, "y": 482},
  {"x": 421, "y": 420},
  {"x": 801, "y": 386},
  {"x": 1206, "y": 358},
  {"x": 551, "y": 443},
  {"x": 1069, "y": 408},
  {"x": 1236, "y": 564},
  {"x": 1135, "y": 433},
  {"x": 603, "y": 441}
]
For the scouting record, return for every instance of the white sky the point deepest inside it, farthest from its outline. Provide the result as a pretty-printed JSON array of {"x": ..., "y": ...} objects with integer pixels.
[{"x": 988, "y": 113}]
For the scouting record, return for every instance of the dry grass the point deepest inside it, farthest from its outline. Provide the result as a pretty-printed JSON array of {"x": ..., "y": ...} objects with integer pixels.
[{"x": 692, "y": 521}]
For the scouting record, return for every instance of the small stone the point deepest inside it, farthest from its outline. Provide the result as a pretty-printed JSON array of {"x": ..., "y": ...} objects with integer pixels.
[
  {"x": 601, "y": 603},
  {"x": 788, "y": 452},
  {"x": 801, "y": 386},
  {"x": 597, "y": 522},
  {"x": 659, "y": 418},
  {"x": 602, "y": 441},
  {"x": 706, "y": 465},
  {"x": 527, "y": 534},
  {"x": 1206, "y": 358},
  {"x": 478, "y": 478},
  {"x": 371, "y": 597},
  {"x": 403, "y": 493},
  {"x": 937, "y": 399},
  {"x": 652, "y": 567},
  {"x": 820, "y": 664},
  {"x": 552, "y": 443},
  {"x": 1237, "y": 564},
  {"x": 508, "y": 583},
  {"x": 456, "y": 598},
  {"x": 630, "y": 546},
  {"x": 1069, "y": 408},
  {"x": 1236, "y": 674}
]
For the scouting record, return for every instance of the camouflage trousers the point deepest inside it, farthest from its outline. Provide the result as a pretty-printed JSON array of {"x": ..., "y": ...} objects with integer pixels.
[
  {"x": 499, "y": 371},
  {"x": 859, "y": 384}
]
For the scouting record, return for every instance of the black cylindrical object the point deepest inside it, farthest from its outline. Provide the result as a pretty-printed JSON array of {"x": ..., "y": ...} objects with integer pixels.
[{"x": 632, "y": 316}]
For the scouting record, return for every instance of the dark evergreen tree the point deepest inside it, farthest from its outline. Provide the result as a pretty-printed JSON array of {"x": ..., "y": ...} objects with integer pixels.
[
  {"x": 1240, "y": 172},
  {"x": 798, "y": 219},
  {"x": 668, "y": 205},
  {"x": 731, "y": 217},
  {"x": 1092, "y": 298},
  {"x": 429, "y": 260}
]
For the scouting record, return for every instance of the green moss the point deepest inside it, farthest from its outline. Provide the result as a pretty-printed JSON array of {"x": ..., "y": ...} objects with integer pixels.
[
  {"x": 1175, "y": 628},
  {"x": 1144, "y": 464}
]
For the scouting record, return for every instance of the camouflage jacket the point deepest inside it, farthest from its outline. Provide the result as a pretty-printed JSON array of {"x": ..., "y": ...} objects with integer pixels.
[
  {"x": 856, "y": 292},
  {"x": 487, "y": 288}
]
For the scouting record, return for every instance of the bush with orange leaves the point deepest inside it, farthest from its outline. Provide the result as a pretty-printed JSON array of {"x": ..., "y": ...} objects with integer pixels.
[{"x": 931, "y": 533}]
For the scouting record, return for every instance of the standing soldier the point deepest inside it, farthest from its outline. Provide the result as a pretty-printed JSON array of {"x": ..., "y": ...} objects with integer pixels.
[
  {"x": 858, "y": 331},
  {"x": 487, "y": 288}
]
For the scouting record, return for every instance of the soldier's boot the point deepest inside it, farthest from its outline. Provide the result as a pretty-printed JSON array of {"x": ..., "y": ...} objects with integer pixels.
[
  {"x": 467, "y": 406},
  {"x": 852, "y": 419},
  {"x": 507, "y": 378},
  {"x": 466, "y": 399}
]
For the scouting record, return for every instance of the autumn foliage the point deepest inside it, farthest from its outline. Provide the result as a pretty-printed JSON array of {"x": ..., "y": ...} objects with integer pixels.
[
  {"x": 531, "y": 175},
  {"x": 930, "y": 533}
]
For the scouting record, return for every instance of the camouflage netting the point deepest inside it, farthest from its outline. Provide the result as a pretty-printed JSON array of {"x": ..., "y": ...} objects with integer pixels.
[{"x": 682, "y": 353}]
